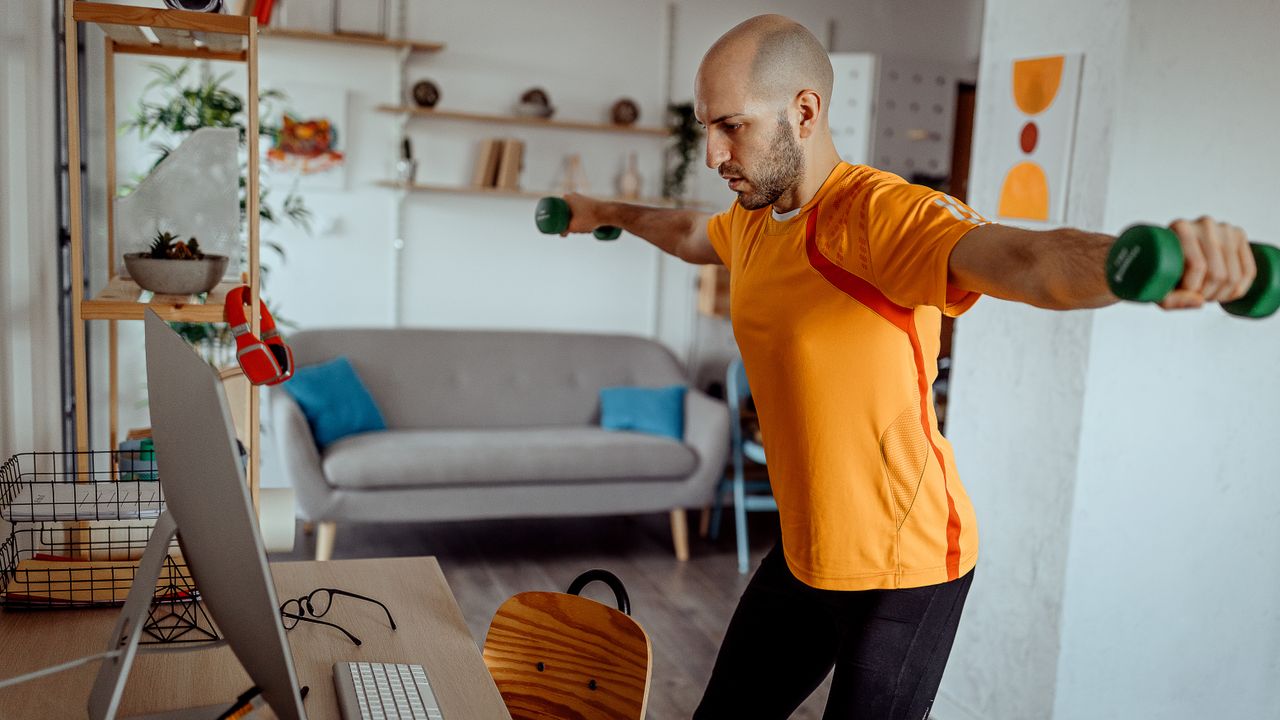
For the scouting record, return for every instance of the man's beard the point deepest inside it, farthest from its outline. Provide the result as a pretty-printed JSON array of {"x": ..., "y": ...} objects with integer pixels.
[{"x": 778, "y": 172}]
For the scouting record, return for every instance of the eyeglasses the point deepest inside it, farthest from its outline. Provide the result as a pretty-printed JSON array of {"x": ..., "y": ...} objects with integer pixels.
[{"x": 316, "y": 603}]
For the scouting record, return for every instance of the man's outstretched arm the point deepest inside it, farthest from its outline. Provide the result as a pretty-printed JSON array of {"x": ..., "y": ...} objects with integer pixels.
[
  {"x": 1065, "y": 269},
  {"x": 682, "y": 233}
]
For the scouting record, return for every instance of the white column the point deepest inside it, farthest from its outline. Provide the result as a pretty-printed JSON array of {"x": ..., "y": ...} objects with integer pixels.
[{"x": 1018, "y": 389}]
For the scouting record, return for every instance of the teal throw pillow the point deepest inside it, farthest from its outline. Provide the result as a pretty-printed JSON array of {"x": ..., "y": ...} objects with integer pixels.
[
  {"x": 334, "y": 401},
  {"x": 657, "y": 411}
]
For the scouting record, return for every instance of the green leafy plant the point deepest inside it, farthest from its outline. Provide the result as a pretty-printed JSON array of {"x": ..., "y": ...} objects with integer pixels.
[
  {"x": 184, "y": 104},
  {"x": 686, "y": 136},
  {"x": 161, "y": 244},
  {"x": 166, "y": 246}
]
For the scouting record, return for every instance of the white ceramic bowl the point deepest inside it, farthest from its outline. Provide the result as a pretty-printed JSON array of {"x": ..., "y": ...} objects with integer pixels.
[{"x": 175, "y": 277}]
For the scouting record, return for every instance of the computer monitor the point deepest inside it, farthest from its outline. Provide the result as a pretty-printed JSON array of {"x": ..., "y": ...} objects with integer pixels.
[{"x": 207, "y": 497}]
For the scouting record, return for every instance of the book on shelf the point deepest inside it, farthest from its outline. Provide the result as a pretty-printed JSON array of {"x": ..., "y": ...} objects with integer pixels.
[
  {"x": 486, "y": 171},
  {"x": 511, "y": 164}
]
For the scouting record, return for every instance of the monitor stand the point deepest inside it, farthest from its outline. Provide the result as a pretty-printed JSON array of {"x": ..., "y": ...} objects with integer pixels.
[{"x": 104, "y": 701}]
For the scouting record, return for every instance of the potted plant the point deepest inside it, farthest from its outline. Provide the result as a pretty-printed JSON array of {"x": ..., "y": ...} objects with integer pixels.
[
  {"x": 174, "y": 267},
  {"x": 685, "y": 136}
]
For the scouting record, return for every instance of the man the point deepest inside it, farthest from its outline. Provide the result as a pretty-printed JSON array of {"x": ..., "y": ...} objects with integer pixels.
[{"x": 840, "y": 275}]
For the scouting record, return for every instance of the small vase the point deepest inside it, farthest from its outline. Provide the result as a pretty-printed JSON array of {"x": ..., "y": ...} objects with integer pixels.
[
  {"x": 574, "y": 178},
  {"x": 629, "y": 181}
]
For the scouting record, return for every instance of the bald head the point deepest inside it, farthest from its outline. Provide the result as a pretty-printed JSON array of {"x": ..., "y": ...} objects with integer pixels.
[
  {"x": 762, "y": 92},
  {"x": 770, "y": 58}
]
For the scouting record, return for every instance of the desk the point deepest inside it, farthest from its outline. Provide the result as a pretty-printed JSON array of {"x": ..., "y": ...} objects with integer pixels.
[{"x": 431, "y": 632}]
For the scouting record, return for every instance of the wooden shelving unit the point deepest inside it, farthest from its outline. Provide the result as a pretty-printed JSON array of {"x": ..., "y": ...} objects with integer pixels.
[
  {"x": 348, "y": 39},
  {"x": 144, "y": 31},
  {"x": 525, "y": 121},
  {"x": 502, "y": 192},
  {"x": 173, "y": 33}
]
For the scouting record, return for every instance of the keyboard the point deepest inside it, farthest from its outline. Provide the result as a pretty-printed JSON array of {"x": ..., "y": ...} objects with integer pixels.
[{"x": 384, "y": 691}]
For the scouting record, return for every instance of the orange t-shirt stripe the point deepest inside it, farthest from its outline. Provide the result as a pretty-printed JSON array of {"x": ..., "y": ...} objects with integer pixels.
[{"x": 865, "y": 293}]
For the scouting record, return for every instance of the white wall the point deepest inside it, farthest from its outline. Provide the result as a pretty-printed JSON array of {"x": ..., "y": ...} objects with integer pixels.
[
  {"x": 1017, "y": 387},
  {"x": 1177, "y": 504},
  {"x": 1118, "y": 458},
  {"x": 941, "y": 30}
]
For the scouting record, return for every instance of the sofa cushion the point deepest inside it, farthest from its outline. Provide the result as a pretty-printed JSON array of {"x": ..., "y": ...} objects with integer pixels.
[
  {"x": 416, "y": 458},
  {"x": 657, "y": 411},
  {"x": 334, "y": 401}
]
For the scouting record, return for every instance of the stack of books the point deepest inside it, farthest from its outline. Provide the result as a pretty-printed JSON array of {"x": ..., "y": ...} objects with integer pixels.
[{"x": 499, "y": 164}]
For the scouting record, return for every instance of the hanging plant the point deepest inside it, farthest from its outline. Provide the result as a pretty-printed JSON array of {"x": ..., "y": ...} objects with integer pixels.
[{"x": 686, "y": 137}]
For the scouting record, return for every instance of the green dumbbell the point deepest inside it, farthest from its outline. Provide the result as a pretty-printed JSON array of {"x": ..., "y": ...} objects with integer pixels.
[
  {"x": 553, "y": 215},
  {"x": 1145, "y": 264}
]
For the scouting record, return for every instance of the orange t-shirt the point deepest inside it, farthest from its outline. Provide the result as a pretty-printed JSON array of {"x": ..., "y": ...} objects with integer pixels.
[{"x": 837, "y": 313}]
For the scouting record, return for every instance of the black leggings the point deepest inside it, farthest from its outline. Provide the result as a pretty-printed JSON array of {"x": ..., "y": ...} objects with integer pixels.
[{"x": 888, "y": 647}]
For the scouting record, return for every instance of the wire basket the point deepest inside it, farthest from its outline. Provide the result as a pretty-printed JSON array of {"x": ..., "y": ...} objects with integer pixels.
[
  {"x": 88, "y": 485},
  {"x": 80, "y": 526}
]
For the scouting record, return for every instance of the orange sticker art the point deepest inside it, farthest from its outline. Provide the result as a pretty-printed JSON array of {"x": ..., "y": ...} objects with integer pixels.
[{"x": 305, "y": 146}]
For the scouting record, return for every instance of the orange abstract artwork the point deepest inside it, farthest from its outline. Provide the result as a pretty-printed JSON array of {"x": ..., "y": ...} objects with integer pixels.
[{"x": 1025, "y": 193}]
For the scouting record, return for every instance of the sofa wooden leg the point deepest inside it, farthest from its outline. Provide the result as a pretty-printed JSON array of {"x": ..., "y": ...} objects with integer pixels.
[
  {"x": 680, "y": 534},
  {"x": 325, "y": 532},
  {"x": 704, "y": 522},
  {"x": 308, "y": 527}
]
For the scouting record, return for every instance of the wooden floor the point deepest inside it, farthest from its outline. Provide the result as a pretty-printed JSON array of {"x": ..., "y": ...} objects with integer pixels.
[{"x": 684, "y": 607}]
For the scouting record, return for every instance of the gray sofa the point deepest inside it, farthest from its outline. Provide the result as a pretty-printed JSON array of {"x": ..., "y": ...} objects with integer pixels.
[{"x": 490, "y": 424}]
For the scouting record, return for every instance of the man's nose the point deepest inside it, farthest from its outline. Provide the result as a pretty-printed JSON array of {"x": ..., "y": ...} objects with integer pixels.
[{"x": 717, "y": 154}]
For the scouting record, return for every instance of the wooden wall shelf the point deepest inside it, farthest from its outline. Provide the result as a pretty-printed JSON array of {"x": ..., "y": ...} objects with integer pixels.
[
  {"x": 348, "y": 39},
  {"x": 504, "y": 192},
  {"x": 121, "y": 300},
  {"x": 526, "y": 121}
]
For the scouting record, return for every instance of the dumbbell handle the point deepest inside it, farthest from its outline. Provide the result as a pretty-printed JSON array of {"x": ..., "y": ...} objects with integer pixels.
[
  {"x": 553, "y": 215},
  {"x": 1146, "y": 263}
]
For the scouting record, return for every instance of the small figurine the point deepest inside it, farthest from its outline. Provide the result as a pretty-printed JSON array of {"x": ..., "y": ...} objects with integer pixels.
[
  {"x": 574, "y": 179},
  {"x": 624, "y": 112},
  {"x": 629, "y": 181},
  {"x": 426, "y": 94},
  {"x": 535, "y": 103}
]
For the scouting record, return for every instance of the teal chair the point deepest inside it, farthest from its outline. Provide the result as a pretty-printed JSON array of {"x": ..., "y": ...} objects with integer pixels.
[{"x": 747, "y": 496}]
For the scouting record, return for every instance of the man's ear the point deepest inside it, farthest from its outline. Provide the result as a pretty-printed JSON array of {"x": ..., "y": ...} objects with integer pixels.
[{"x": 808, "y": 104}]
